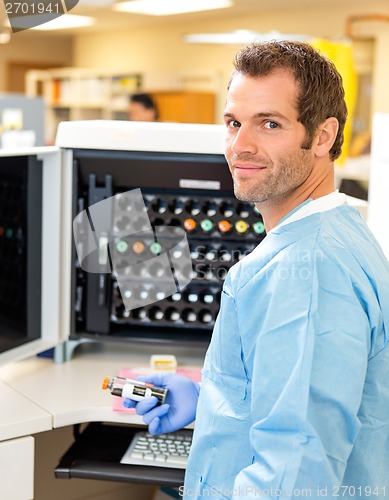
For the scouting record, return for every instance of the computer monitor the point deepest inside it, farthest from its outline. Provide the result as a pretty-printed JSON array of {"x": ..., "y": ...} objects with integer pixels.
[{"x": 30, "y": 223}]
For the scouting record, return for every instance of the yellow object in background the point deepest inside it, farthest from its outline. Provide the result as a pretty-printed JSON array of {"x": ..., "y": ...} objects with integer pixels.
[
  {"x": 341, "y": 54},
  {"x": 163, "y": 363}
]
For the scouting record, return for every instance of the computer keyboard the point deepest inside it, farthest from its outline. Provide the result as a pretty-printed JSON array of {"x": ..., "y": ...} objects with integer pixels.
[{"x": 165, "y": 450}]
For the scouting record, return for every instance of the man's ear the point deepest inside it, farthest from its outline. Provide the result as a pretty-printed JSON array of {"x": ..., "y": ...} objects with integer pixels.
[{"x": 326, "y": 136}]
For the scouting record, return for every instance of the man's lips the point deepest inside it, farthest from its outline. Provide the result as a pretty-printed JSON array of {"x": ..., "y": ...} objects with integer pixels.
[{"x": 247, "y": 168}]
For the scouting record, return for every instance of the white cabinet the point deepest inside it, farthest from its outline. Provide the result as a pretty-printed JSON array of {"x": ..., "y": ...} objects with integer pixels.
[
  {"x": 19, "y": 418},
  {"x": 17, "y": 469}
]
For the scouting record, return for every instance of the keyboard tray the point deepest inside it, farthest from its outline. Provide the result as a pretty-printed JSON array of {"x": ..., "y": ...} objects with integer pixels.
[{"x": 96, "y": 454}]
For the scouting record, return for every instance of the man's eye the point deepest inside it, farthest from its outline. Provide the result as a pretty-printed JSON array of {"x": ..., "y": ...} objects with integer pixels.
[
  {"x": 233, "y": 124},
  {"x": 271, "y": 124}
]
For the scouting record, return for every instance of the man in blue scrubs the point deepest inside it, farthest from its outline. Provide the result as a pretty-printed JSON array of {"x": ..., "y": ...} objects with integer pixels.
[{"x": 294, "y": 400}]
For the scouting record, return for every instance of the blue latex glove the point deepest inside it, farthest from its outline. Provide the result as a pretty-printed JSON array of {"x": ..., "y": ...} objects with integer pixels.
[{"x": 179, "y": 409}]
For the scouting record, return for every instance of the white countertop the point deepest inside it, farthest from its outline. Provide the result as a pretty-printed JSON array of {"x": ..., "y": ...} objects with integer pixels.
[
  {"x": 19, "y": 415},
  {"x": 39, "y": 394}
]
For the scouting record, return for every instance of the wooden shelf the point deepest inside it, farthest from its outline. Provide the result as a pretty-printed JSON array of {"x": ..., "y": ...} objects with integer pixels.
[
  {"x": 185, "y": 106},
  {"x": 80, "y": 94},
  {"x": 89, "y": 94}
]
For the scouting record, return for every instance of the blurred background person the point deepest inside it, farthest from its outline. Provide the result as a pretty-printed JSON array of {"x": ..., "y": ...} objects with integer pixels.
[{"x": 143, "y": 108}]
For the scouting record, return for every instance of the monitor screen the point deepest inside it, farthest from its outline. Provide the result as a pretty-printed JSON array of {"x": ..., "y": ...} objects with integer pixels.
[
  {"x": 20, "y": 256},
  {"x": 29, "y": 251}
]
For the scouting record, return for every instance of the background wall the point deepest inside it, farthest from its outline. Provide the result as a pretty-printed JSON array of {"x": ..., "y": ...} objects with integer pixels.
[
  {"x": 25, "y": 48},
  {"x": 163, "y": 49}
]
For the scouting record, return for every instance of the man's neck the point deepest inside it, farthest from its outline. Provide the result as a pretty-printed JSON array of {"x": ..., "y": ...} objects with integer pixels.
[{"x": 276, "y": 208}]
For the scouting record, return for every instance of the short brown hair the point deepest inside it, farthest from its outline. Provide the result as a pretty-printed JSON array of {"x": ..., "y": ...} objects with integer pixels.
[{"x": 321, "y": 89}]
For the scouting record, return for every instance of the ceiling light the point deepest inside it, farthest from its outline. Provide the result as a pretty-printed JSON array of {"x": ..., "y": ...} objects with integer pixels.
[
  {"x": 243, "y": 37},
  {"x": 170, "y": 7},
  {"x": 66, "y": 21}
]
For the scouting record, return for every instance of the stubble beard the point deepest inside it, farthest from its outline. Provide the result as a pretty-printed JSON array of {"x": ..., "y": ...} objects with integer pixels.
[{"x": 289, "y": 173}]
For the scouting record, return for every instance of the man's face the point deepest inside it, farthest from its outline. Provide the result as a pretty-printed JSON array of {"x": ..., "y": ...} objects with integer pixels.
[{"x": 264, "y": 137}]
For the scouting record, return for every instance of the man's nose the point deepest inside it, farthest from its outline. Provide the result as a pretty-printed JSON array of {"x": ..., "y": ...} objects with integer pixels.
[{"x": 244, "y": 141}]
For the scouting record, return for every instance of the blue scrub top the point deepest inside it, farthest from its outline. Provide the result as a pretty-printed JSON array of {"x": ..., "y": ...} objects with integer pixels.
[{"x": 294, "y": 399}]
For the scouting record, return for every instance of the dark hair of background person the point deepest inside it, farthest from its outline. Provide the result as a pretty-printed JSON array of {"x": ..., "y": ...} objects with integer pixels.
[{"x": 312, "y": 72}]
